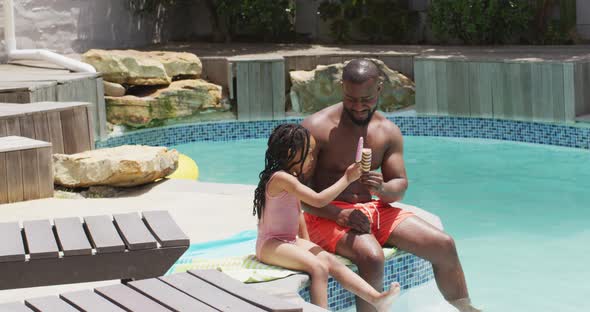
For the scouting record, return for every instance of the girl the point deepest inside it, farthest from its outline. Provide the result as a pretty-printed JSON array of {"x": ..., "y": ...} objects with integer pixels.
[{"x": 277, "y": 204}]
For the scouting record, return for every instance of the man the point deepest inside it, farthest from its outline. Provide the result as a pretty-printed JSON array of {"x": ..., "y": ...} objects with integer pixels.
[{"x": 355, "y": 226}]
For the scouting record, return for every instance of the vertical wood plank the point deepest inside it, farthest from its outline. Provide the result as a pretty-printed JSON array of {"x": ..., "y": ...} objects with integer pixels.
[
  {"x": 84, "y": 125},
  {"x": 498, "y": 90},
  {"x": 569, "y": 92},
  {"x": 44, "y": 93},
  {"x": 526, "y": 90},
  {"x": 278, "y": 90},
  {"x": 41, "y": 127},
  {"x": 100, "y": 123},
  {"x": 442, "y": 94},
  {"x": 421, "y": 86},
  {"x": 3, "y": 167},
  {"x": 579, "y": 88},
  {"x": 266, "y": 90},
  {"x": 457, "y": 88},
  {"x": 14, "y": 178},
  {"x": 509, "y": 74},
  {"x": 45, "y": 178},
  {"x": 27, "y": 126},
  {"x": 545, "y": 108},
  {"x": 243, "y": 91},
  {"x": 55, "y": 132},
  {"x": 475, "y": 93},
  {"x": 91, "y": 129},
  {"x": 3, "y": 128},
  {"x": 30, "y": 174},
  {"x": 557, "y": 93},
  {"x": 3, "y": 179},
  {"x": 13, "y": 126},
  {"x": 430, "y": 87},
  {"x": 254, "y": 85}
]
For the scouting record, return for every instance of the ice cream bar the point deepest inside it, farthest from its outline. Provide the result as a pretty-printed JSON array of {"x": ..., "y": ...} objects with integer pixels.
[
  {"x": 366, "y": 160},
  {"x": 359, "y": 150}
]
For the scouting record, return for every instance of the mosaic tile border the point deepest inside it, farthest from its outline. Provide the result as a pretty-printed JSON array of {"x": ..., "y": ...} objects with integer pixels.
[
  {"x": 408, "y": 270},
  {"x": 510, "y": 130}
]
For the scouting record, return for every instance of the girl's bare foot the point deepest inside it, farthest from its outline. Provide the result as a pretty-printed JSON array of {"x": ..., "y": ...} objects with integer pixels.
[{"x": 383, "y": 304}]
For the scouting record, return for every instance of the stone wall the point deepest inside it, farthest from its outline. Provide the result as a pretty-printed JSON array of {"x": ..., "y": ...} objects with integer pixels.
[{"x": 74, "y": 26}]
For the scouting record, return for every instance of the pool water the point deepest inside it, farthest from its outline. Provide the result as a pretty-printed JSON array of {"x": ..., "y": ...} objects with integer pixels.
[{"x": 519, "y": 212}]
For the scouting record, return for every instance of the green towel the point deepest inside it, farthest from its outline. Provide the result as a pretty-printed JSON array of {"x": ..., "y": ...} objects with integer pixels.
[{"x": 248, "y": 269}]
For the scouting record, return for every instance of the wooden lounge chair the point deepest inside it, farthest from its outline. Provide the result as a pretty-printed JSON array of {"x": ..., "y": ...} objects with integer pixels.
[
  {"x": 123, "y": 246},
  {"x": 203, "y": 290}
]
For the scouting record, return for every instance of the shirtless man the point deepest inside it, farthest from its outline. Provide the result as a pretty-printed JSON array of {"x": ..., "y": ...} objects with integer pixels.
[{"x": 355, "y": 226}]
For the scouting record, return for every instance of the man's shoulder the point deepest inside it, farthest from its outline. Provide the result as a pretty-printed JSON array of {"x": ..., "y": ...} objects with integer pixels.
[
  {"x": 320, "y": 119},
  {"x": 384, "y": 125}
]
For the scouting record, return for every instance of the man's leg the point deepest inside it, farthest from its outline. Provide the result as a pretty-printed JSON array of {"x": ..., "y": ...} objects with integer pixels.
[
  {"x": 367, "y": 254},
  {"x": 420, "y": 238}
]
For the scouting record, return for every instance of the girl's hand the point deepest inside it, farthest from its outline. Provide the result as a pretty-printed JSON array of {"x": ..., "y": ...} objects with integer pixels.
[{"x": 353, "y": 172}]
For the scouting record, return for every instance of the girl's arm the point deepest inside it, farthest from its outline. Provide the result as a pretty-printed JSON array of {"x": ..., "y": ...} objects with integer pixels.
[
  {"x": 303, "y": 234},
  {"x": 305, "y": 194}
]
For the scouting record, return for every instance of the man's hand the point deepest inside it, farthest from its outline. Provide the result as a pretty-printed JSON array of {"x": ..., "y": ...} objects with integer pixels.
[
  {"x": 373, "y": 180},
  {"x": 354, "y": 219}
]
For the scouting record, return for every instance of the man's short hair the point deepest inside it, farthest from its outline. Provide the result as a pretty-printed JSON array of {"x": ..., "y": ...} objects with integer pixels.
[{"x": 360, "y": 70}]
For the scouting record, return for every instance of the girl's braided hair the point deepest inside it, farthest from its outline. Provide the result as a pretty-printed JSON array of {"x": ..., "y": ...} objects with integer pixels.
[{"x": 284, "y": 143}]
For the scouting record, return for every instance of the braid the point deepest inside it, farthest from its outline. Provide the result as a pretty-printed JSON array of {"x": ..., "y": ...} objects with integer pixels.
[{"x": 283, "y": 144}]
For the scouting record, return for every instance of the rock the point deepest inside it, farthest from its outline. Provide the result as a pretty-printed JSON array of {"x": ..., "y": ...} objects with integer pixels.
[
  {"x": 143, "y": 68},
  {"x": 179, "y": 64},
  {"x": 113, "y": 89},
  {"x": 127, "y": 165},
  {"x": 314, "y": 90},
  {"x": 182, "y": 98}
]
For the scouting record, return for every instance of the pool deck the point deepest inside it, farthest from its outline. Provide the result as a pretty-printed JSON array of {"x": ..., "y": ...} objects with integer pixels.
[{"x": 205, "y": 212}]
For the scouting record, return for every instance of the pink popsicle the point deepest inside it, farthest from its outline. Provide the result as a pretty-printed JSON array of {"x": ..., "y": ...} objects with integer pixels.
[{"x": 359, "y": 150}]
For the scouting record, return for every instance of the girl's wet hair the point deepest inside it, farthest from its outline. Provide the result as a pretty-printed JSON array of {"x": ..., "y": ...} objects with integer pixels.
[{"x": 284, "y": 143}]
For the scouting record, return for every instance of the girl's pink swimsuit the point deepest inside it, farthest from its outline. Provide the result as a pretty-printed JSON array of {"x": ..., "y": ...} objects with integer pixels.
[{"x": 280, "y": 219}]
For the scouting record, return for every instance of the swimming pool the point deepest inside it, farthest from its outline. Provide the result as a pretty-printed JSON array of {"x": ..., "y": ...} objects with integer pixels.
[{"x": 518, "y": 211}]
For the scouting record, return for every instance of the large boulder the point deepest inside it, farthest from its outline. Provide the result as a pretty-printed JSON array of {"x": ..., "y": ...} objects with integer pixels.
[
  {"x": 314, "y": 90},
  {"x": 132, "y": 67},
  {"x": 127, "y": 165},
  {"x": 181, "y": 98}
]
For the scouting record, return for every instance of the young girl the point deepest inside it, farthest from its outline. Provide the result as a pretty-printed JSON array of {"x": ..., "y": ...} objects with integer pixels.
[{"x": 277, "y": 204}]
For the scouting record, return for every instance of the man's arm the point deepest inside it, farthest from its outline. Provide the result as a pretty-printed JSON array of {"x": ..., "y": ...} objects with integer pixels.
[{"x": 390, "y": 185}]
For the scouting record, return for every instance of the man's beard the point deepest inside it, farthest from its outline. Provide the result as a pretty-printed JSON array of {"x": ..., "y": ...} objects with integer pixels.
[{"x": 360, "y": 122}]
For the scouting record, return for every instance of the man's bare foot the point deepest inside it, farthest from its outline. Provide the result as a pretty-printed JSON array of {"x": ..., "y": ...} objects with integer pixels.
[{"x": 383, "y": 304}]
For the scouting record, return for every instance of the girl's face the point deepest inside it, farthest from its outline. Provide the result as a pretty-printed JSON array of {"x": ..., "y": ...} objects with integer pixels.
[{"x": 295, "y": 167}]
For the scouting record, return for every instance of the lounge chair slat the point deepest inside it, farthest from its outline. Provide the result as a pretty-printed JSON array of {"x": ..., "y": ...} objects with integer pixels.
[
  {"x": 169, "y": 296},
  {"x": 11, "y": 244},
  {"x": 14, "y": 307},
  {"x": 238, "y": 289},
  {"x": 88, "y": 301},
  {"x": 134, "y": 232},
  {"x": 40, "y": 239},
  {"x": 129, "y": 299},
  {"x": 49, "y": 304},
  {"x": 213, "y": 296},
  {"x": 103, "y": 234},
  {"x": 71, "y": 237},
  {"x": 164, "y": 229}
]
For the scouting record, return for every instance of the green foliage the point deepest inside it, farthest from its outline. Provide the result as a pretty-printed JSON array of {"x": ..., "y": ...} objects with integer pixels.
[
  {"x": 480, "y": 21},
  {"x": 258, "y": 19},
  {"x": 376, "y": 21},
  {"x": 250, "y": 19}
]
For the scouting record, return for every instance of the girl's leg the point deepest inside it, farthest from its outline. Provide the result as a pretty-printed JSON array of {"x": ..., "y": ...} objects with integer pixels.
[
  {"x": 292, "y": 256},
  {"x": 352, "y": 281}
]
